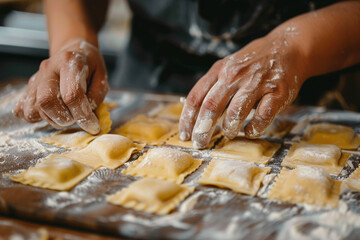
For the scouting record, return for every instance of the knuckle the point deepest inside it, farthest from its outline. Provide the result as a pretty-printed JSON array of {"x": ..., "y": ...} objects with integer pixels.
[
  {"x": 66, "y": 56},
  {"x": 193, "y": 100},
  {"x": 70, "y": 98},
  {"x": 211, "y": 104},
  {"x": 45, "y": 101},
  {"x": 44, "y": 65}
]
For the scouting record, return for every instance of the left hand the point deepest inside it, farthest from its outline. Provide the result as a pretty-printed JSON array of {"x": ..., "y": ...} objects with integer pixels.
[{"x": 266, "y": 73}]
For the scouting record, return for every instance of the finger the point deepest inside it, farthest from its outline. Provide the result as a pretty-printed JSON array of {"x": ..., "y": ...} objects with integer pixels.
[
  {"x": 31, "y": 113},
  {"x": 73, "y": 87},
  {"x": 48, "y": 120},
  {"x": 269, "y": 106},
  {"x": 211, "y": 109},
  {"x": 48, "y": 98},
  {"x": 98, "y": 89},
  {"x": 18, "y": 110},
  {"x": 194, "y": 100},
  {"x": 238, "y": 109}
]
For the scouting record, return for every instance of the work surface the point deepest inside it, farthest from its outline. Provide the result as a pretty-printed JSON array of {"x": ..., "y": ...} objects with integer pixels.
[{"x": 209, "y": 213}]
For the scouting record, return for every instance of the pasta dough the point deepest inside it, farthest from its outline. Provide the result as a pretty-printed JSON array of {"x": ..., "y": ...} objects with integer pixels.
[
  {"x": 164, "y": 163},
  {"x": 171, "y": 111},
  {"x": 252, "y": 150},
  {"x": 152, "y": 131},
  {"x": 327, "y": 133},
  {"x": 307, "y": 185},
  {"x": 75, "y": 138},
  {"x": 151, "y": 195},
  {"x": 353, "y": 181},
  {"x": 279, "y": 128},
  {"x": 239, "y": 176},
  {"x": 54, "y": 172},
  {"x": 325, "y": 156},
  {"x": 108, "y": 150}
]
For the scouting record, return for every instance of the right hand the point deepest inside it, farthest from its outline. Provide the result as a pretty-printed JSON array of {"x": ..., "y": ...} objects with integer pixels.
[{"x": 67, "y": 88}]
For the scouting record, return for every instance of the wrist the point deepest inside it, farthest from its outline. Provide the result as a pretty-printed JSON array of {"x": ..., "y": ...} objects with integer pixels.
[
  {"x": 291, "y": 46},
  {"x": 69, "y": 37}
]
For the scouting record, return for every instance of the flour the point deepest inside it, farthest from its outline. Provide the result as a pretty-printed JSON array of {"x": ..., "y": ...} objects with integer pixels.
[{"x": 333, "y": 224}]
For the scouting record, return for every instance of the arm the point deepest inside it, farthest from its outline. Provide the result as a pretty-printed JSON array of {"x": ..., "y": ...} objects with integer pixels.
[
  {"x": 74, "y": 19},
  {"x": 73, "y": 81},
  {"x": 269, "y": 72}
]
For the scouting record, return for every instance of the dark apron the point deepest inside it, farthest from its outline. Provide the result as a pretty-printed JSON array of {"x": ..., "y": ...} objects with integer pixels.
[{"x": 174, "y": 42}]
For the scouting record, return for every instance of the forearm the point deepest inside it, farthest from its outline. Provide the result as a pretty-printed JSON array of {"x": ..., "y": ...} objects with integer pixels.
[
  {"x": 73, "y": 19},
  {"x": 327, "y": 39}
]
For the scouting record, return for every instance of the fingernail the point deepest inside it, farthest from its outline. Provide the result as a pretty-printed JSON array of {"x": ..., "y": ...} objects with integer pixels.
[
  {"x": 91, "y": 127},
  {"x": 184, "y": 136},
  {"x": 231, "y": 129},
  {"x": 197, "y": 145},
  {"x": 204, "y": 126},
  {"x": 252, "y": 132}
]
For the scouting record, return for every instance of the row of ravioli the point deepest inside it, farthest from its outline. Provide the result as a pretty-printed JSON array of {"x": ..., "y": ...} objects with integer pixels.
[{"x": 234, "y": 164}]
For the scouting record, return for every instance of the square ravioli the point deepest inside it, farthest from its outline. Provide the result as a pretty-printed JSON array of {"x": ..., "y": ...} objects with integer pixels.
[
  {"x": 153, "y": 131},
  {"x": 306, "y": 185},
  {"x": 325, "y": 156},
  {"x": 327, "y": 133},
  {"x": 75, "y": 138},
  {"x": 108, "y": 150},
  {"x": 171, "y": 111},
  {"x": 239, "y": 176},
  {"x": 251, "y": 150},
  {"x": 151, "y": 195},
  {"x": 164, "y": 163},
  {"x": 353, "y": 181},
  {"x": 54, "y": 172}
]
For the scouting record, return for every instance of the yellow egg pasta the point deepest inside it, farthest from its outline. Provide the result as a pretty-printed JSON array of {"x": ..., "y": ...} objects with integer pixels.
[
  {"x": 165, "y": 164},
  {"x": 327, "y": 133},
  {"x": 251, "y": 150},
  {"x": 325, "y": 156},
  {"x": 306, "y": 185},
  {"x": 152, "y": 131},
  {"x": 151, "y": 195},
  {"x": 108, "y": 150},
  {"x": 54, "y": 172},
  {"x": 239, "y": 176}
]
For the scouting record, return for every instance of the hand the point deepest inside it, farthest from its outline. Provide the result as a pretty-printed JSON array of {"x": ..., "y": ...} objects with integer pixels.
[
  {"x": 67, "y": 88},
  {"x": 265, "y": 72}
]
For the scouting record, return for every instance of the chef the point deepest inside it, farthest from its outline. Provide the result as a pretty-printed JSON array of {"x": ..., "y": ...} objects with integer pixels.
[{"x": 232, "y": 55}]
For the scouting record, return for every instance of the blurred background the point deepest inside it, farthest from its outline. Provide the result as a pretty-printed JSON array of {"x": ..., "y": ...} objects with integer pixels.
[{"x": 24, "y": 39}]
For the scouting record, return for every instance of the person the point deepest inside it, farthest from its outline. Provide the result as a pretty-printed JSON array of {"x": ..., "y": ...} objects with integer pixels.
[{"x": 261, "y": 53}]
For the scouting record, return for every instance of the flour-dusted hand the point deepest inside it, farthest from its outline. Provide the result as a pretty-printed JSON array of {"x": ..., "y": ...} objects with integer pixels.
[
  {"x": 67, "y": 88},
  {"x": 266, "y": 73}
]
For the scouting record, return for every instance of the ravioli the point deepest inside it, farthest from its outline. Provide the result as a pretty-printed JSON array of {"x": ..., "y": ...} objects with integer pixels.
[
  {"x": 325, "y": 156},
  {"x": 239, "y": 176},
  {"x": 54, "y": 172},
  {"x": 108, "y": 150},
  {"x": 171, "y": 111},
  {"x": 151, "y": 195},
  {"x": 327, "y": 133},
  {"x": 251, "y": 150},
  {"x": 153, "y": 131},
  {"x": 76, "y": 138},
  {"x": 306, "y": 185},
  {"x": 165, "y": 164}
]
